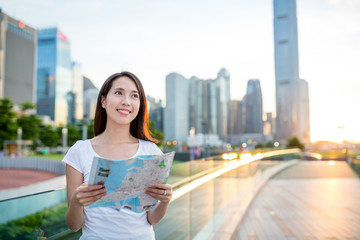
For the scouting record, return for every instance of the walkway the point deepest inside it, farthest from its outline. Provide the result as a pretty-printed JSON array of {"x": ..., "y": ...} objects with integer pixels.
[
  {"x": 14, "y": 178},
  {"x": 312, "y": 200}
]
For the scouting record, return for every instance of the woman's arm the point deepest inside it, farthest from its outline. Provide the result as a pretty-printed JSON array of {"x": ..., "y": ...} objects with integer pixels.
[
  {"x": 163, "y": 193},
  {"x": 79, "y": 194}
]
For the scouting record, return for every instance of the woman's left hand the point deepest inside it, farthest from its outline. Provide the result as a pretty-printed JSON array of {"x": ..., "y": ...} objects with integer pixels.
[{"x": 159, "y": 191}]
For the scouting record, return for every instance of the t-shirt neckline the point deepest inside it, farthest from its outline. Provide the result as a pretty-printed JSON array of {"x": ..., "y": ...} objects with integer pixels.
[{"x": 97, "y": 155}]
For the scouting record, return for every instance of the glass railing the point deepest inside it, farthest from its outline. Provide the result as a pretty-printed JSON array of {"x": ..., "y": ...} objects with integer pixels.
[{"x": 219, "y": 186}]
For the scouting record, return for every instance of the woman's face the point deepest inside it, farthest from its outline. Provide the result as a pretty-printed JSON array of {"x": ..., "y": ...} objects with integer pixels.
[{"x": 122, "y": 102}]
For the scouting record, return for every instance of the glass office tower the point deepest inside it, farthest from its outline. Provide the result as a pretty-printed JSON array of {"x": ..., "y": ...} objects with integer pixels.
[
  {"x": 54, "y": 76},
  {"x": 286, "y": 69}
]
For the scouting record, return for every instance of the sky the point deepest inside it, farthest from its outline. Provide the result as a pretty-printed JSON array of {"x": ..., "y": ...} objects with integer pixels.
[{"x": 198, "y": 38}]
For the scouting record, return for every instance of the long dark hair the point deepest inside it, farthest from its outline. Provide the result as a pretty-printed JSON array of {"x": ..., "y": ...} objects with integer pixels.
[{"x": 138, "y": 127}]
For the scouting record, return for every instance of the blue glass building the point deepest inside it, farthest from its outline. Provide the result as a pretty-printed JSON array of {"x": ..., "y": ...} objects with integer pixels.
[
  {"x": 54, "y": 76},
  {"x": 286, "y": 69}
]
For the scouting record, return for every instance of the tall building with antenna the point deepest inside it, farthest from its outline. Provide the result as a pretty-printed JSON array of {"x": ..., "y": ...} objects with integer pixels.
[{"x": 286, "y": 69}]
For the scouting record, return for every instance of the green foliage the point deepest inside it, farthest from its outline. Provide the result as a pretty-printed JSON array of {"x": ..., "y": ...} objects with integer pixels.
[
  {"x": 27, "y": 105},
  {"x": 49, "y": 136},
  {"x": 90, "y": 130},
  {"x": 156, "y": 133},
  {"x": 8, "y": 124},
  {"x": 74, "y": 133},
  {"x": 35, "y": 226},
  {"x": 269, "y": 144},
  {"x": 294, "y": 142},
  {"x": 259, "y": 145},
  {"x": 31, "y": 127}
]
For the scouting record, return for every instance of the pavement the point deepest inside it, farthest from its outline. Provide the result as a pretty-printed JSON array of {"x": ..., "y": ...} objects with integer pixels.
[{"x": 14, "y": 178}]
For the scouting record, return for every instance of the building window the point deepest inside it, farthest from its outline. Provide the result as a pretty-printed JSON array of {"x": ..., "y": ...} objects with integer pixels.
[
  {"x": 282, "y": 17},
  {"x": 21, "y": 32},
  {"x": 283, "y": 42}
]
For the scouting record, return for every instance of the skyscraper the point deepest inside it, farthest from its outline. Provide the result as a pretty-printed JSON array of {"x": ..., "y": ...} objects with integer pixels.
[
  {"x": 236, "y": 117},
  {"x": 286, "y": 69},
  {"x": 155, "y": 112},
  {"x": 253, "y": 107},
  {"x": 90, "y": 98},
  {"x": 18, "y": 43},
  {"x": 304, "y": 117},
  {"x": 78, "y": 92},
  {"x": 54, "y": 76},
  {"x": 176, "y": 116},
  {"x": 223, "y": 99},
  {"x": 203, "y": 106}
]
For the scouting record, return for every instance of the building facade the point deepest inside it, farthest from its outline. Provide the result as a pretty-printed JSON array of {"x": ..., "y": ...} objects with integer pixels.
[
  {"x": 236, "y": 117},
  {"x": 18, "y": 46},
  {"x": 254, "y": 107},
  {"x": 54, "y": 76},
  {"x": 90, "y": 94},
  {"x": 176, "y": 116},
  {"x": 304, "y": 113},
  {"x": 155, "y": 112},
  {"x": 286, "y": 68},
  {"x": 223, "y": 99},
  {"x": 78, "y": 93},
  {"x": 196, "y": 103}
]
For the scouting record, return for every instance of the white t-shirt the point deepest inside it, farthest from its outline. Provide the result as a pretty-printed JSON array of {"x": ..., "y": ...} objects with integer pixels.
[{"x": 107, "y": 222}]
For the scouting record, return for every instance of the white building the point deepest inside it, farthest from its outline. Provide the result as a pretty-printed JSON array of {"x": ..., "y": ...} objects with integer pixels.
[{"x": 176, "y": 115}]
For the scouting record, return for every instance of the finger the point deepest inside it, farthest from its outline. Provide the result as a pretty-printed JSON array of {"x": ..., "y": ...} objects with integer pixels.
[
  {"x": 89, "y": 189},
  {"x": 158, "y": 192},
  {"x": 85, "y": 187},
  {"x": 155, "y": 190},
  {"x": 86, "y": 194},
  {"x": 162, "y": 186},
  {"x": 89, "y": 200}
]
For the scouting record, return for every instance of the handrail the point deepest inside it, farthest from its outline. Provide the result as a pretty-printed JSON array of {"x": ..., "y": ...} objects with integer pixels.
[{"x": 184, "y": 185}]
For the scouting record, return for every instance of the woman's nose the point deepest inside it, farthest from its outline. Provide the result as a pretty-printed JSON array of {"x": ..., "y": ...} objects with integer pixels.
[{"x": 125, "y": 100}]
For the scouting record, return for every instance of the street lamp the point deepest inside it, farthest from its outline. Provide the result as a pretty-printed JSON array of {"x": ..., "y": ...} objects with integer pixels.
[
  {"x": 192, "y": 134},
  {"x": 84, "y": 126},
  {"x": 64, "y": 132},
  {"x": 19, "y": 137},
  {"x": 204, "y": 124}
]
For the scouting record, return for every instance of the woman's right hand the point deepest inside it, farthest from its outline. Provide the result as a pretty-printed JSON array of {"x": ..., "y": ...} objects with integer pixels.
[{"x": 85, "y": 194}]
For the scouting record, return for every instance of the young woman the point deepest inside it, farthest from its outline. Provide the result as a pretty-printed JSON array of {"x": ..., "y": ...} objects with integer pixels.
[{"x": 120, "y": 132}]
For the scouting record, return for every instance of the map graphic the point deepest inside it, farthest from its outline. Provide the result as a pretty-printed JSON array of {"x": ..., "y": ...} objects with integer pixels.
[{"x": 126, "y": 180}]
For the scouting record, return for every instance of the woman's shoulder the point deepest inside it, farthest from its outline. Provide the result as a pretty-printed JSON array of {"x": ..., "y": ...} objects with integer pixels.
[
  {"x": 149, "y": 148},
  {"x": 81, "y": 143}
]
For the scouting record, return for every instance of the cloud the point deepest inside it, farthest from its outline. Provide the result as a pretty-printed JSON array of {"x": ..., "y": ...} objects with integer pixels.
[{"x": 351, "y": 3}]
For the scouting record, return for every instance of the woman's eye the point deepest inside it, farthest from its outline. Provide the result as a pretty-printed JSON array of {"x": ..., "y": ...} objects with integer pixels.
[
  {"x": 135, "y": 96},
  {"x": 118, "y": 93}
]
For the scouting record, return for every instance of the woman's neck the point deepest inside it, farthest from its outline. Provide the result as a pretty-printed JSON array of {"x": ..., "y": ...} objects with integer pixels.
[{"x": 118, "y": 134}]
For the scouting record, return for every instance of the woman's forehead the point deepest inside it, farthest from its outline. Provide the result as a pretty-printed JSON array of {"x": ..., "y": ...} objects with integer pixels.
[{"x": 124, "y": 83}]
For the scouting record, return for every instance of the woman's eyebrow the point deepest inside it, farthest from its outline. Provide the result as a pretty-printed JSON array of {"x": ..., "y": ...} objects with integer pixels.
[{"x": 119, "y": 88}]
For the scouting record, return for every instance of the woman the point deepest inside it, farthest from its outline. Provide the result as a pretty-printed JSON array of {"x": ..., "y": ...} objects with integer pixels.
[{"x": 120, "y": 133}]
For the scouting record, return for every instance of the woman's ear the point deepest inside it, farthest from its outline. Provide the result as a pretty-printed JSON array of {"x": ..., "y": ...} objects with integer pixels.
[{"x": 103, "y": 102}]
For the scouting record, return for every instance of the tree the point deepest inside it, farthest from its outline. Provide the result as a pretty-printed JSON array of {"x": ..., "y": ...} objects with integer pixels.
[
  {"x": 49, "y": 136},
  {"x": 27, "y": 105},
  {"x": 294, "y": 142},
  {"x": 74, "y": 134},
  {"x": 269, "y": 144},
  {"x": 8, "y": 124},
  {"x": 156, "y": 133},
  {"x": 90, "y": 130},
  {"x": 31, "y": 127}
]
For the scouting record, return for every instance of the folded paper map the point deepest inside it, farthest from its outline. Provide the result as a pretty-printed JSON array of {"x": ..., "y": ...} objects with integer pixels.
[{"x": 126, "y": 180}]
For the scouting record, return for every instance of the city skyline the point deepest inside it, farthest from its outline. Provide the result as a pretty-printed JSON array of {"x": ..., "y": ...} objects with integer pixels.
[{"x": 197, "y": 39}]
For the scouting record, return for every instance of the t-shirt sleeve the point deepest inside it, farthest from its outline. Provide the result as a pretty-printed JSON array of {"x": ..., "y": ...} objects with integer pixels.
[
  {"x": 155, "y": 149},
  {"x": 149, "y": 148},
  {"x": 73, "y": 158}
]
